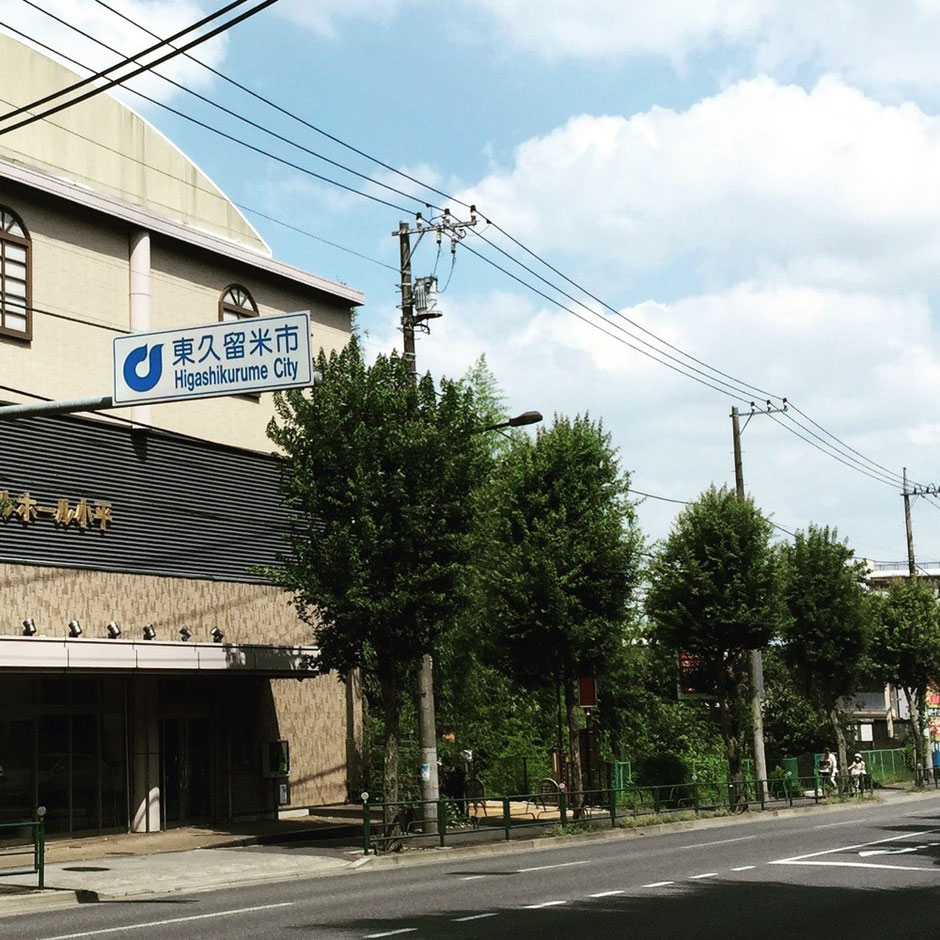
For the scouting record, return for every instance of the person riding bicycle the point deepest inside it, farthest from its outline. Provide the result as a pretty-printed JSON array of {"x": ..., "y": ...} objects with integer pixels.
[{"x": 857, "y": 770}]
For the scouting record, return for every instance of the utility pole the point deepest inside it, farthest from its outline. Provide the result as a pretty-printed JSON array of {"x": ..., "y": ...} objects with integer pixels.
[
  {"x": 427, "y": 725},
  {"x": 755, "y": 659},
  {"x": 911, "y": 565}
]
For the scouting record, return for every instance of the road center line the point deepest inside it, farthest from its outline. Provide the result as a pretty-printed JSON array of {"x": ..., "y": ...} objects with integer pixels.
[
  {"x": 850, "y": 822},
  {"x": 698, "y": 845},
  {"x": 520, "y": 871},
  {"x": 472, "y": 877},
  {"x": 390, "y": 933},
  {"x": 604, "y": 894},
  {"x": 707, "y": 874},
  {"x": 461, "y": 920},
  {"x": 658, "y": 884},
  {"x": 535, "y": 907},
  {"x": 744, "y": 868},
  {"x": 171, "y": 920}
]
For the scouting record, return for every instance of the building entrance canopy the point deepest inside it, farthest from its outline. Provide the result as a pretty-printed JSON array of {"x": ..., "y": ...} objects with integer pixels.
[{"x": 153, "y": 656}]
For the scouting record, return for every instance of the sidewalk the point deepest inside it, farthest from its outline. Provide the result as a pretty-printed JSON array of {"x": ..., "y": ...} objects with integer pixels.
[{"x": 193, "y": 859}]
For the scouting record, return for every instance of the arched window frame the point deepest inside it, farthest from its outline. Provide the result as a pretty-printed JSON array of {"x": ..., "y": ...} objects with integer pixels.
[
  {"x": 236, "y": 303},
  {"x": 16, "y": 273}
]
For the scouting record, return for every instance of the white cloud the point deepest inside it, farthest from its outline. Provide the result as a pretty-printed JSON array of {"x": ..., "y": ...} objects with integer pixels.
[
  {"x": 877, "y": 45},
  {"x": 858, "y": 363},
  {"x": 162, "y": 17},
  {"x": 825, "y": 186},
  {"x": 323, "y": 16}
]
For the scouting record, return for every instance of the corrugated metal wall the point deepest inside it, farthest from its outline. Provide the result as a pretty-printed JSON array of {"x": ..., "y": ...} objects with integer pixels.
[{"x": 180, "y": 507}]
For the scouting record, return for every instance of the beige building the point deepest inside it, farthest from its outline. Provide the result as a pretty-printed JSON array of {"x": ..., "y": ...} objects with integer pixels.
[{"x": 148, "y": 672}]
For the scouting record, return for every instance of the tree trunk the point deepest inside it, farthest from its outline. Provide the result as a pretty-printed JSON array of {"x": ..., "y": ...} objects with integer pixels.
[
  {"x": 834, "y": 719},
  {"x": 391, "y": 702},
  {"x": 918, "y": 723},
  {"x": 728, "y": 731},
  {"x": 576, "y": 797}
]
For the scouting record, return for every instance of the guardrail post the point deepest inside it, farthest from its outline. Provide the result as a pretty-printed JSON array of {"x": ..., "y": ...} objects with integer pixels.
[
  {"x": 816, "y": 790},
  {"x": 563, "y": 807},
  {"x": 695, "y": 801},
  {"x": 761, "y": 792},
  {"x": 507, "y": 819},
  {"x": 613, "y": 807},
  {"x": 441, "y": 820},
  {"x": 731, "y": 797},
  {"x": 366, "y": 824}
]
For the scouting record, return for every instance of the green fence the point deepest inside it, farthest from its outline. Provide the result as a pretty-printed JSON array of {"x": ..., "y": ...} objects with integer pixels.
[
  {"x": 880, "y": 763},
  {"x": 25, "y": 840}
]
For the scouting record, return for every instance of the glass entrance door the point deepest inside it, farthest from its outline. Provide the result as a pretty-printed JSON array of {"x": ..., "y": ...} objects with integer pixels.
[{"x": 187, "y": 785}]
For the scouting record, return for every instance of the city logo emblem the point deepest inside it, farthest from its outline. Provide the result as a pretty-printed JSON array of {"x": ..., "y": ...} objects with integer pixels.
[{"x": 145, "y": 382}]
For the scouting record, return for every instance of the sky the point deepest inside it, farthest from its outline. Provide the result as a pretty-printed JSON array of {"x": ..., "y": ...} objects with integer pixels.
[{"x": 754, "y": 182}]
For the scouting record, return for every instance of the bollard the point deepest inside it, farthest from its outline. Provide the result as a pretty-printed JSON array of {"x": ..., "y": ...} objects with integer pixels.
[
  {"x": 613, "y": 807},
  {"x": 507, "y": 820},
  {"x": 761, "y": 792},
  {"x": 441, "y": 821},
  {"x": 366, "y": 824},
  {"x": 695, "y": 801},
  {"x": 562, "y": 805}
]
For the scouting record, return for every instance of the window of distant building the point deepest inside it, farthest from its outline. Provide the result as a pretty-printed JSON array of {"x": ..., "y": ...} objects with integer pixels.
[
  {"x": 15, "y": 314},
  {"x": 236, "y": 304}
]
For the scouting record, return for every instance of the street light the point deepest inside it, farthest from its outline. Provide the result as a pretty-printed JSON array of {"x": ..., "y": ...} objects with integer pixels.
[{"x": 527, "y": 417}]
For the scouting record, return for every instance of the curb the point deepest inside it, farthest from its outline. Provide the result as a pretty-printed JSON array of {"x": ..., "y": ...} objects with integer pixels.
[{"x": 59, "y": 899}]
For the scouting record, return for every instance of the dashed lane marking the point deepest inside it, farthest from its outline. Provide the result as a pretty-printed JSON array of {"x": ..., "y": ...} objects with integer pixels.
[
  {"x": 604, "y": 894},
  {"x": 699, "y": 845},
  {"x": 707, "y": 874},
  {"x": 658, "y": 884},
  {"x": 390, "y": 933},
  {"x": 744, "y": 868},
  {"x": 461, "y": 920},
  {"x": 535, "y": 907},
  {"x": 850, "y": 822}
]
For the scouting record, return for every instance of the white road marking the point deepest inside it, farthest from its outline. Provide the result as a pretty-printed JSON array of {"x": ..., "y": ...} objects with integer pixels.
[
  {"x": 698, "y": 845},
  {"x": 535, "y": 907},
  {"x": 744, "y": 868},
  {"x": 802, "y": 859},
  {"x": 172, "y": 920},
  {"x": 857, "y": 865},
  {"x": 912, "y": 848},
  {"x": 850, "y": 822},
  {"x": 707, "y": 874},
  {"x": 390, "y": 933},
  {"x": 472, "y": 877},
  {"x": 519, "y": 871},
  {"x": 461, "y": 920},
  {"x": 604, "y": 894},
  {"x": 658, "y": 884}
]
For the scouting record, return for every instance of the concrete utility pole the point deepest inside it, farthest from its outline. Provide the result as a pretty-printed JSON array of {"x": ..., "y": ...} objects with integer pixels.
[
  {"x": 911, "y": 565},
  {"x": 427, "y": 726},
  {"x": 755, "y": 661}
]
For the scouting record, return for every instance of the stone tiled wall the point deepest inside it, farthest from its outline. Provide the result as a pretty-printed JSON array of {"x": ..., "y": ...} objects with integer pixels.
[{"x": 315, "y": 715}]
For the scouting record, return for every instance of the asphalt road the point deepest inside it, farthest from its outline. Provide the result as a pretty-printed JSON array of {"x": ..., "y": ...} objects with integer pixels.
[{"x": 873, "y": 871}]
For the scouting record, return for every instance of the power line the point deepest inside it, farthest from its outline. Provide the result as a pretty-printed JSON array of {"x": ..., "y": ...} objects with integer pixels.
[
  {"x": 75, "y": 86},
  {"x": 143, "y": 68}
]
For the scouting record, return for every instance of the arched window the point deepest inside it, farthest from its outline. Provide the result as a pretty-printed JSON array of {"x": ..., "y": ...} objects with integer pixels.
[
  {"x": 15, "y": 313},
  {"x": 236, "y": 304}
]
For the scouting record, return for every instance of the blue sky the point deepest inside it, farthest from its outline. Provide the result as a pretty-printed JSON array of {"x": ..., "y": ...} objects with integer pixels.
[{"x": 756, "y": 181}]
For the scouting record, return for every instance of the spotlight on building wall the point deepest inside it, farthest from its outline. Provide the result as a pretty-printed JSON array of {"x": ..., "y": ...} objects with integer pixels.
[
  {"x": 149, "y": 632},
  {"x": 185, "y": 633},
  {"x": 217, "y": 635},
  {"x": 114, "y": 631},
  {"x": 29, "y": 627},
  {"x": 75, "y": 629}
]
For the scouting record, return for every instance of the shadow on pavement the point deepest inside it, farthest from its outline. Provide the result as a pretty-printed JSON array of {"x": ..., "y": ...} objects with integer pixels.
[{"x": 724, "y": 910}]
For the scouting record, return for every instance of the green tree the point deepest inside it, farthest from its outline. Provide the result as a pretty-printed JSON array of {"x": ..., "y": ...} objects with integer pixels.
[
  {"x": 560, "y": 561},
  {"x": 714, "y": 593},
  {"x": 827, "y": 628},
  {"x": 906, "y": 649},
  {"x": 377, "y": 474}
]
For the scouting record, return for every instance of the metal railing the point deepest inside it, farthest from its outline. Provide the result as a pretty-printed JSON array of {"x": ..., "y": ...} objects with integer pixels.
[
  {"x": 927, "y": 777},
  {"x": 35, "y": 847},
  {"x": 436, "y": 822}
]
